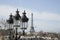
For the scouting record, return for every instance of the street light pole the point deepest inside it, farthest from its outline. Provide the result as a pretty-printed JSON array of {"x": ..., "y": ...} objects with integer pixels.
[
  {"x": 16, "y": 33},
  {"x": 17, "y": 18},
  {"x": 24, "y": 20},
  {"x": 10, "y": 22}
]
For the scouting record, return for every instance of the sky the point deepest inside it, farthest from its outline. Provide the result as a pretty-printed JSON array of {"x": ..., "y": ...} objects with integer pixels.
[{"x": 46, "y": 13}]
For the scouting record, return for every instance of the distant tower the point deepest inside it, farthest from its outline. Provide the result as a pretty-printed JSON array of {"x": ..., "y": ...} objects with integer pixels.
[{"x": 32, "y": 28}]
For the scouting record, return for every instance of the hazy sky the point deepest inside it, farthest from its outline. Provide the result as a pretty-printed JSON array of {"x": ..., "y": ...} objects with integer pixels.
[{"x": 46, "y": 12}]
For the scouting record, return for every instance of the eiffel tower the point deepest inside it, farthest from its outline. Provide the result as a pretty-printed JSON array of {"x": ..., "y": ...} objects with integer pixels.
[{"x": 32, "y": 28}]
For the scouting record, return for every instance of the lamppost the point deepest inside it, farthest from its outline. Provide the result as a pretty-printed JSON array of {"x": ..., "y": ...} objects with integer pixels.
[
  {"x": 24, "y": 22},
  {"x": 18, "y": 22},
  {"x": 17, "y": 18},
  {"x": 10, "y": 22}
]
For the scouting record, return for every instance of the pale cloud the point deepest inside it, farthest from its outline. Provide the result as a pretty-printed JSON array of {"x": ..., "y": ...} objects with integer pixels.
[
  {"x": 5, "y": 9},
  {"x": 42, "y": 20},
  {"x": 47, "y": 16}
]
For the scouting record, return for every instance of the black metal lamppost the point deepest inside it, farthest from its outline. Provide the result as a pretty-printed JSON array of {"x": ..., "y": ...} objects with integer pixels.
[
  {"x": 10, "y": 22},
  {"x": 18, "y": 21},
  {"x": 17, "y": 18},
  {"x": 24, "y": 22}
]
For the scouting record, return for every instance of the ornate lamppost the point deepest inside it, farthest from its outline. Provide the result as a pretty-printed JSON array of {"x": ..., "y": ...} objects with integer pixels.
[
  {"x": 10, "y": 22},
  {"x": 18, "y": 22},
  {"x": 24, "y": 22},
  {"x": 17, "y": 18}
]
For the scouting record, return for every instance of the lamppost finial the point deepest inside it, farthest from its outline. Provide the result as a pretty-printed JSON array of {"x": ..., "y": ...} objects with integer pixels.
[
  {"x": 17, "y": 16},
  {"x": 24, "y": 12},
  {"x": 17, "y": 11}
]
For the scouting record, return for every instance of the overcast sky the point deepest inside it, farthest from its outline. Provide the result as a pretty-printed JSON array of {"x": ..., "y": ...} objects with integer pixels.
[{"x": 46, "y": 12}]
